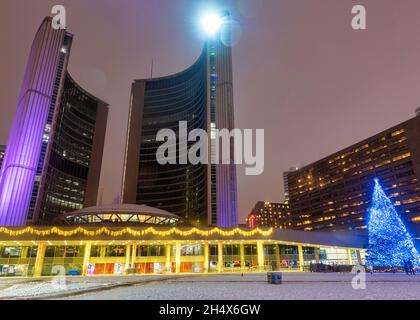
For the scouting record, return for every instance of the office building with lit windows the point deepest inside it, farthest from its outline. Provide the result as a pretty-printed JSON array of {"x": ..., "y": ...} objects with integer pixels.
[
  {"x": 335, "y": 193},
  {"x": 286, "y": 183},
  {"x": 54, "y": 153},
  {"x": 202, "y": 96},
  {"x": 268, "y": 214}
]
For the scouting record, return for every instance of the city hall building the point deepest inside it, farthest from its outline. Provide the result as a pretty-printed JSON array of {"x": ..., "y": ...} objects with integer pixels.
[
  {"x": 139, "y": 240},
  {"x": 51, "y": 169}
]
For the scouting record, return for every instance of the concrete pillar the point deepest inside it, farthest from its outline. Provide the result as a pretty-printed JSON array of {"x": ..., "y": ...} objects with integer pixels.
[
  {"x": 102, "y": 251},
  {"x": 127, "y": 258},
  {"x": 301, "y": 259},
  {"x": 206, "y": 258},
  {"x": 359, "y": 257},
  {"x": 133, "y": 256},
  {"x": 278, "y": 257},
  {"x": 317, "y": 255},
  {"x": 220, "y": 266},
  {"x": 168, "y": 261},
  {"x": 86, "y": 257},
  {"x": 349, "y": 257},
  {"x": 260, "y": 252},
  {"x": 242, "y": 255},
  {"x": 39, "y": 261},
  {"x": 24, "y": 252},
  {"x": 178, "y": 257}
]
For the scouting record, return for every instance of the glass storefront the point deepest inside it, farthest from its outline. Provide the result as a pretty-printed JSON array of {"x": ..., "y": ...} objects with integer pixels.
[
  {"x": 192, "y": 267},
  {"x": 151, "y": 251},
  {"x": 192, "y": 251},
  {"x": 113, "y": 259},
  {"x": 286, "y": 257},
  {"x": 309, "y": 255},
  {"x": 63, "y": 259},
  {"x": 289, "y": 257},
  {"x": 213, "y": 258},
  {"x": 271, "y": 257},
  {"x": 149, "y": 268},
  {"x": 17, "y": 261},
  {"x": 251, "y": 256},
  {"x": 102, "y": 269},
  {"x": 232, "y": 257},
  {"x": 107, "y": 251},
  {"x": 334, "y": 256}
]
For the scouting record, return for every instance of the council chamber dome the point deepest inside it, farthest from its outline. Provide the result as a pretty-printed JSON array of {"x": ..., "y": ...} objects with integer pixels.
[{"x": 120, "y": 215}]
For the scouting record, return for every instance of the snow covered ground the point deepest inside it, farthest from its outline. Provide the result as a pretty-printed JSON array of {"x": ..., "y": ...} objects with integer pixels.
[
  {"x": 223, "y": 287},
  {"x": 15, "y": 288},
  {"x": 255, "y": 287},
  {"x": 33, "y": 289}
]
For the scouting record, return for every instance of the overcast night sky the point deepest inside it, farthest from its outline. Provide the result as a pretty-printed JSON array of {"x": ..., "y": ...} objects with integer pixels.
[{"x": 301, "y": 72}]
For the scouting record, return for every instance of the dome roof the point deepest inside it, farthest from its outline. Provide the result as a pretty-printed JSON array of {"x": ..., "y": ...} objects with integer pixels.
[{"x": 117, "y": 214}]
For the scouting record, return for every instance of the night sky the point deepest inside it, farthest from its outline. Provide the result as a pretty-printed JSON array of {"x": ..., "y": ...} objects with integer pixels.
[{"x": 301, "y": 72}]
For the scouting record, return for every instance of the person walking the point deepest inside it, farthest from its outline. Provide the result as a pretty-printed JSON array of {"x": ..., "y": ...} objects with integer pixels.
[
  {"x": 406, "y": 267},
  {"x": 371, "y": 270},
  {"x": 411, "y": 268}
]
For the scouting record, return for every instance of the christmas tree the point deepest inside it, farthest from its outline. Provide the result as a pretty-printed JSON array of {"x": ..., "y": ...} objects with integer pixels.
[{"x": 390, "y": 244}]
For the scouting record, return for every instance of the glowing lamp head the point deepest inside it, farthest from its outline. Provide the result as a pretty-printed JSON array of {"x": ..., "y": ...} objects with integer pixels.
[{"x": 211, "y": 23}]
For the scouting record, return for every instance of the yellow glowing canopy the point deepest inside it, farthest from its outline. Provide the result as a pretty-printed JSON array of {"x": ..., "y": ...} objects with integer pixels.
[{"x": 134, "y": 232}]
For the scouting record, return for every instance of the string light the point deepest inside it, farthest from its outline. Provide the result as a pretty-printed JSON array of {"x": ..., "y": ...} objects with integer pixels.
[{"x": 133, "y": 232}]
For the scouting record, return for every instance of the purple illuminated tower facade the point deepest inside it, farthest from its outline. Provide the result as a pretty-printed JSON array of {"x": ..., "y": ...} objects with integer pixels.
[
  {"x": 221, "y": 116},
  {"x": 24, "y": 145},
  {"x": 42, "y": 119},
  {"x": 202, "y": 96}
]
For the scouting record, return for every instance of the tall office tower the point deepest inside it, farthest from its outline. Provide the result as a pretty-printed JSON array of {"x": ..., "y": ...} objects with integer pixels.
[
  {"x": 335, "y": 193},
  {"x": 202, "y": 95},
  {"x": 54, "y": 152},
  {"x": 286, "y": 183},
  {"x": 2, "y": 151},
  {"x": 269, "y": 215}
]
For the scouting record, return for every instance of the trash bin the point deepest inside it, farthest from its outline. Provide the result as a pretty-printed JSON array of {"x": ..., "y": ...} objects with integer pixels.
[{"x": 274, "y": 277}]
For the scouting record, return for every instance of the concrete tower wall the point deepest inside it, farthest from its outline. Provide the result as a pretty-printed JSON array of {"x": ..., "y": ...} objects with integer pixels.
[
  {"x": 24, "y": 145},
  {"x": 227, "y": 201}
]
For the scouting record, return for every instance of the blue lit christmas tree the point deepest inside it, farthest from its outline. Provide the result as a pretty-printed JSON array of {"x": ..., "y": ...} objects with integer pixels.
[{"x": 390, "y": 244}]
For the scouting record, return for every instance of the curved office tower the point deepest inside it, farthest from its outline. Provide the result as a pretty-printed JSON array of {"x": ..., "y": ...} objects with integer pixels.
[
  {"x": 71, "y": 169},
  {"x": 43, "y": 124},
  {"x": 157, "y": 104},
  {"x": 202, "y": 96}
]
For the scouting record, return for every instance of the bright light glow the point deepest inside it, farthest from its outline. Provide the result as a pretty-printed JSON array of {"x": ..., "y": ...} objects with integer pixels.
[{"x": 211, "y": 23}]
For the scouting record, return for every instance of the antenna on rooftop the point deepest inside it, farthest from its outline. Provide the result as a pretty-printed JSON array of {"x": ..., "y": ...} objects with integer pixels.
[{"x": 151, "y": 69}]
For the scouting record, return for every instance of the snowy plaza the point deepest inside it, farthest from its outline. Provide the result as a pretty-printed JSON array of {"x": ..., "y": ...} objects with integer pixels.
[
  {"x": 211, "y": 264},
  {"x": 296, "y": 286}
]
